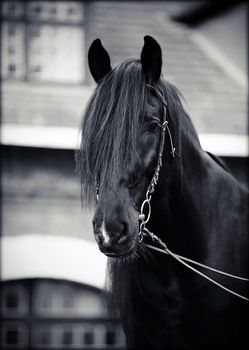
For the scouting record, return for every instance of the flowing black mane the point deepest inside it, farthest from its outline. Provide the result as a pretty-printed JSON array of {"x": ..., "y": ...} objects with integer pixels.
[{"x": 111, "y": 124}]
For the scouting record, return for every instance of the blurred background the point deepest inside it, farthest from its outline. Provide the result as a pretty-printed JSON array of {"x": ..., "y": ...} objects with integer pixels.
[{"x": 52, "y": 273}]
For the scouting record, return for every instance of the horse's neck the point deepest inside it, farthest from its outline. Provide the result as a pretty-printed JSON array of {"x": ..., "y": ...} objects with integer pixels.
[{"x": 208, "y": 214}]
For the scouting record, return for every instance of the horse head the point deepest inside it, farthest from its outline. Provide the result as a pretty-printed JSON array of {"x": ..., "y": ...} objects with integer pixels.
[{"x": 121, "y": 140}]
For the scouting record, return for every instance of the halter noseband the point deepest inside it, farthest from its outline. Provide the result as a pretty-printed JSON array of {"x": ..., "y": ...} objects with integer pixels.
[{"x": 150, "y": 190}]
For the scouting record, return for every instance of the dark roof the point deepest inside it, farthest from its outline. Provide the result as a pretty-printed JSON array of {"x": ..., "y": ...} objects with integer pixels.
[{"x": 195, "y": 12}]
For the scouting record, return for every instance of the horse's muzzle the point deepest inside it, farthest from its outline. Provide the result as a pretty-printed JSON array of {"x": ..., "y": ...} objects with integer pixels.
[{"x": 114, "y": 243}]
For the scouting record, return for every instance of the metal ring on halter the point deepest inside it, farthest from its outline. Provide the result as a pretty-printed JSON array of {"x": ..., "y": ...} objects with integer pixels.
[{"x": 142, "y": 211}]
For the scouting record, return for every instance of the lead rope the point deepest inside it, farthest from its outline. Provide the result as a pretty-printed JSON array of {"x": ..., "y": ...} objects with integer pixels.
[
  {"x": 144, "y": 220},
  {"x": 181, "y": 259}
]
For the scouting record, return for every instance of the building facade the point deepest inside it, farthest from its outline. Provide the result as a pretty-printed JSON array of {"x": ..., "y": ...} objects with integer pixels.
[{"x": 56, "y": 314}]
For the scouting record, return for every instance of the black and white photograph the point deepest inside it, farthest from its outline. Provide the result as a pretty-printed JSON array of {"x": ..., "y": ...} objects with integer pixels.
[{"x": 124, "y": 175}]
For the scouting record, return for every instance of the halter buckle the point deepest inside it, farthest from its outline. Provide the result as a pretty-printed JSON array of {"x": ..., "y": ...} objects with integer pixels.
[{"x": 164, "y": 125}]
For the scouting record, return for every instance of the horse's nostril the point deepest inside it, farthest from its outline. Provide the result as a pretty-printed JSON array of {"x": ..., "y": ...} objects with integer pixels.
[
  {"x": 122, "y": 239},
  {"x": 123, "y": 228},
  {"x": 122, "y": 234}
]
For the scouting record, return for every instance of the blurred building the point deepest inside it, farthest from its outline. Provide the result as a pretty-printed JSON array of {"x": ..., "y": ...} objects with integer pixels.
[
  {"x": 56, "y": 314},
  {"x": 52, "y": 273}
]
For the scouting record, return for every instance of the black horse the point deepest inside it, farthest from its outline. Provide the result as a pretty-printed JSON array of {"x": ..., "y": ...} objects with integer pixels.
[{"x": 134, "y": 129}]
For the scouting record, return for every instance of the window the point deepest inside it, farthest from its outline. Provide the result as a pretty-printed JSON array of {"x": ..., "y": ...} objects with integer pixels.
[
  {"x": 110, "y": 337},
  {"x": 14, "y": 300},
  {"x": 106, "y": 336},
  {"x": 14, "y": 336},
  {"x": 12, "y": 9},
  {"x": 76, "y": 335},
  {"x": 89, "y": 304},
  {"x": 54, "y": 299},
  {"x": 13, "y": 50},
  {"x": 43, "y": 298},
  {"x": 113, "y": 336},
  {"x": 67, "y": 337},
  {"x": 45, "y": 337},
  {"x": 43, "y": 41},
  {"x": 88, "y": 338},
  {"x": 55, "y": 335},
  {"x": 59, "y": 299},
  {"x": 42, "y": 336},
  {"x": 67, "y": 298}
]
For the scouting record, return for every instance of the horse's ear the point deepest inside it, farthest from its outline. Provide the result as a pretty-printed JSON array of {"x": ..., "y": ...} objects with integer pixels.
[
  {"x": 151, "y": 59},
  {"x": 98, "y": 60}
]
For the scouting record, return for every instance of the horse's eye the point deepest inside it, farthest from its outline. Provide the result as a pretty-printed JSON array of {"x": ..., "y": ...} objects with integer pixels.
[{"x": 153, "y": 126}]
